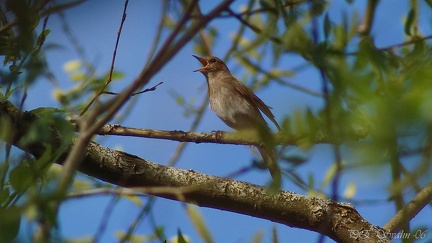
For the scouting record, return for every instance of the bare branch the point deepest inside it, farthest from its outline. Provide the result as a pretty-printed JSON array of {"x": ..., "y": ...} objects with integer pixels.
[
  {"x": 119, "y": 31},
  {"x": 410, "y": 210},
  {"x": 220, "y": 137},
  {"x": 137, "y": 93}
]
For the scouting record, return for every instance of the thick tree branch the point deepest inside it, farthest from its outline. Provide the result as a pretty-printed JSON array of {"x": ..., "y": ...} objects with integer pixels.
[{"x": 339, "y": 221}]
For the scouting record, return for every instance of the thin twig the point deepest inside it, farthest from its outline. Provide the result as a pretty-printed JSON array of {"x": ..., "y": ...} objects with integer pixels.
[
  {"x": 279, "y": 80},
  {"x": 105, "y": 218},
  {"x": 101, "y": 91},
  {"x": 253, "y": 27},
  {"x": 395, "y": 46},
  {"x": 9, "y": 25},
  {"x": 410, "y": 42},
  {"x": 136, "y": 93}
]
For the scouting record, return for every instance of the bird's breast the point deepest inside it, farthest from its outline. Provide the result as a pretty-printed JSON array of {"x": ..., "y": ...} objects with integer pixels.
[{"x": 232, "y": 108}]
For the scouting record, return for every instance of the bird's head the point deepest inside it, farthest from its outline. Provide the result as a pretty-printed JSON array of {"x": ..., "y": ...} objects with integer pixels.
[{"x": 210, "y": 64}]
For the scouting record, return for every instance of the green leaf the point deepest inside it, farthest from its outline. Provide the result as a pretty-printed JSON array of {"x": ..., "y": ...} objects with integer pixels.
[
  {"x": 318, "y": 7},
  {"x": 180, "y": 100},
  {"x": 266, "y": 5},
  {"x": 62, "y": 7},
  {"x": 131, "y": 238},
  {"x": 46, "y": 111},
  {"x": 296, "y": 40},
  {"x": 42, "y": 36},
  {"x": 20, "y": 177},
  {"x": 134, "y": 199},
  {"x": 311, "y": 181},
  {"x": 10, "y": 220},
  {"x": 409, "y": 22},
  {"x": 4, "y": 195},
  {"x": 295, "y": 159},
  {"x": 199, "y": 223},
  {"x": 312, "y": 123},
  {"x": 329, "y": 175},
  {"x": 181, "y": 238},
  {"x": 81, "y": 239},
  {"x": 350, "y": 190},
  {"x": 258, "y": 237},
  {"x": 79, "y": 185}
]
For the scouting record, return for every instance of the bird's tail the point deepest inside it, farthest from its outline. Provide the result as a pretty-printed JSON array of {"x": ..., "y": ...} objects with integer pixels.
[{"x": 269, "y": 159}]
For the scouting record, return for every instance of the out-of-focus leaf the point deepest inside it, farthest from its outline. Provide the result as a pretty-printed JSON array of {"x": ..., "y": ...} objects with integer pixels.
[
  {"x": 287, "y": 126},
  {"x": 132, "y": 238},
  {"x": 296, "y": 40},
  {"x": 31, "y": 212},
  {"x": 311, "y": 181},
  {"x": 267, "y": 5},
  {"x": 350, "y": 190},
  {"x": 42, "y": 36},
  {"x": 21, "y": 177},
  {"x": 72, "y": 66},
  {"x": 4, "y": 194},
  {"x": 275, "y": 238},
  {"x": 79, "y": 185},
  {"x": 318, "y": 7},
  {"x": 134, "y": 199},
  {"x": 81, "y": 239},
  {"x": 330, "y": 173},
  {"x": 199, "y": 223},
  {"x": 312, "y": 123},
  {"x": 10, "y": 220},
  {"x": 258, "y": 237},
  {"x": 168, "y": 21},
  {"x": 178, "y": 98},
  {"x": 46, "y": 111},
  {"x": 179, "y": 238},
  {"x": 78, "y": 77},
  {"x": 295, "y": 159},
  {"x": 409, "y": 22},
  {"x": 62, "y": 7}
]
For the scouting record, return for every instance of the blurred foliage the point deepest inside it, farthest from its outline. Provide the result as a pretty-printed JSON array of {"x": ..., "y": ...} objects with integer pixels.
[
  {"x": 375, "y": 102},
  {"x": 27, "y": 181},
  {"x": 87, "y": 84}
]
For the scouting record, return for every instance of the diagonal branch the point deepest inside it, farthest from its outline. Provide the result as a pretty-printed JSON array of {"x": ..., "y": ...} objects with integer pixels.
[{"x": 423, "y": 198}]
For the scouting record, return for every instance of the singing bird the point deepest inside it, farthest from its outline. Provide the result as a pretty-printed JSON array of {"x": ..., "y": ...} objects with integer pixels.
[{"x": 238, "y": 107}]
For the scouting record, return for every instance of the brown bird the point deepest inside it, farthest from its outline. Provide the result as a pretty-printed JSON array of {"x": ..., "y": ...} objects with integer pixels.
[{"x": 236, "y": 105}]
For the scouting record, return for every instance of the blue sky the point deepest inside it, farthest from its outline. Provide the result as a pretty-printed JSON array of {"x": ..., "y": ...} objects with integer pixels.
[{"x": 95, "y": 25}]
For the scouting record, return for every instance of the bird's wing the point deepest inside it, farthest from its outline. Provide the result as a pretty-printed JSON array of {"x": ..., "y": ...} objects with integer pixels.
[{"x": 247, "y": 93}]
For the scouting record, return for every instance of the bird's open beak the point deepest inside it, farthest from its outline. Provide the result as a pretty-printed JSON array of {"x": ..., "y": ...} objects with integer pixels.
[{"x": 203, "y": 62}]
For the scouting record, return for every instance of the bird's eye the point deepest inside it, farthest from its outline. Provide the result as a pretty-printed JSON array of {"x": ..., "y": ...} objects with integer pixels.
[{"x": 212, "y": 60}]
